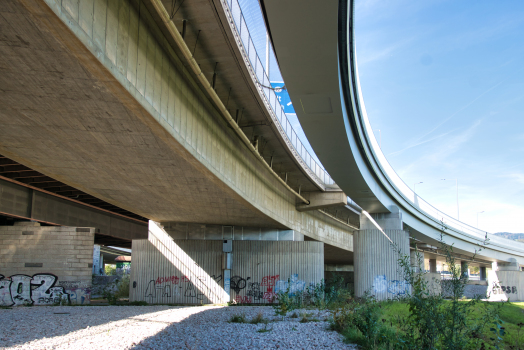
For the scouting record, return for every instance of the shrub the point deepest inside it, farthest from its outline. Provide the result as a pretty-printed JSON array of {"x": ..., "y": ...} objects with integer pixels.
[
  {"x": 259, "y": 318},
  {"x": 238, "y": 318}
]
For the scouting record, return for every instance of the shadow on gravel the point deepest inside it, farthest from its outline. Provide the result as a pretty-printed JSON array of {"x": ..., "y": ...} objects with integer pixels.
[
  {"x": 21, "y": 325},
  {"x": 209, "y": 329},
  {"x": 213, "y": 329}
]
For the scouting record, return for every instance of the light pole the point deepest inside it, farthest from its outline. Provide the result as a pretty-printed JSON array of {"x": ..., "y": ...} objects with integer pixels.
[
  {"x": 456, "y": 183},
  {"x": 478, "y": 212},
  {"x": 415, "y": 184}
]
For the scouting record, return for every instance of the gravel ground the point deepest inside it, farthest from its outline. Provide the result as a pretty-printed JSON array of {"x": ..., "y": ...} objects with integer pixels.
[{"x": 160, "y": 327}]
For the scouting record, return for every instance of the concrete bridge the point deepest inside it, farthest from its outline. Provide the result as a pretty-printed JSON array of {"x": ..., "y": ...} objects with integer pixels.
[{"x": 159, "y": 109}]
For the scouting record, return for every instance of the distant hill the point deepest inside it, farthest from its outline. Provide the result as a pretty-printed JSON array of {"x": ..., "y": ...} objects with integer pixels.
[{"x": 514, "y": 236}]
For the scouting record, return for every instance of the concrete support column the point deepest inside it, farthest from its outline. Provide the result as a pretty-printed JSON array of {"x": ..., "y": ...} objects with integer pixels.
[
  {"x": 414, "y": 260},
  {"x": 463, "y": 268},
  {"x": 433, "y": 265},
  {"x": 483, "y": 273},
  {"x": 96, "y": 259},
  {"x": 376, "y": 258},
  {"x": 227, "y": 249},
  {"x": 376, "y": 266}
]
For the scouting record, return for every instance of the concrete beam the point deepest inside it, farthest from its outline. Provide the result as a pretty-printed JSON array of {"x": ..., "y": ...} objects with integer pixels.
[
  {"x": 320, "y": 200},
  {"x": 387, "y": 221},
  {"x": 26, "y": 203}
]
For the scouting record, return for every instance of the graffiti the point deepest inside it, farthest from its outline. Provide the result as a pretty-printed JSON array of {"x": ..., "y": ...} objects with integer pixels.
[
  {"x": 269, "y": 296},
  {"x": 395, "y": 287},
  {"x": 270, "y": 281},
  {"x": 292, "y": 286},
  {"x": 198, "y": 288},
  {"x": 217, "y": 278},
  {"x": 123, "y": 268},
  {"x": 192, "y": 289},
  {"x": 79, "y": 291},
  {"x": 80, "y": 296},
  {"x": 254, "y": 291},
  {"x": 398, "y": 287},
  {"x": 152, "y": 289},
  {"x": 39, "y": 289},
  {"x": 509, "y": 290},
  {"x": 243, "y": 300},
  {"x": 5, "y": 292},
  {"x": 238, "y": 283},
  {"x": 170, "y": 279}
]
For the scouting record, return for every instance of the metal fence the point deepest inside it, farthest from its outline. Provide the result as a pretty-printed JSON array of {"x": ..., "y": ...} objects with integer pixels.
[{"x": 271, "y": 98}]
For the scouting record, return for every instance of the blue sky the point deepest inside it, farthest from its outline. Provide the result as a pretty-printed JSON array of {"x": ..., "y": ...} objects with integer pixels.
[{"x": 443, "y": 81}]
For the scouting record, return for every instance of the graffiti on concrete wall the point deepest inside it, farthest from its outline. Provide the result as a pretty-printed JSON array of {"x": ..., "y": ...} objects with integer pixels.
[
  {"x": 269, "y": 283},
  {"x": 38, "y": 289},
  {"x": 254, "y": 291},
  {"x": 291, "y": 286},
  {"x": 499, "y": 289},
  {"x": 381, "y": 284},
  {"x": 243, "y": 300},
  {"x": 197, "y": 287},
  {"x": 267, "y": 290},
  {"x": 123, "y": 268},
  {"x": 79, "y": 291},
  {"x": 174, "y": 286},
  {"x": 238, "y": 283}
]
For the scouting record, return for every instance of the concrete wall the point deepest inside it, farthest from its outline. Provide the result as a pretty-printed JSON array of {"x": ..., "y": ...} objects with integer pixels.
[
  {"x": 375, "y": 263},
  {"x": 183, "y": 272},
  {"x": 194, "y": 271},
  {"x": 56, "y": 259},
  {"x": 506, "y": 285},
  {"x": 262, "y": 269}
]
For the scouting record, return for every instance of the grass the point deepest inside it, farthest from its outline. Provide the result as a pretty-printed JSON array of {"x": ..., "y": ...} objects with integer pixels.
[
  {"x": 259, "y": 318},
  {"x": 306, "y": 317},
  {"x": 264, "y": 329},
  {"x": 238, "y": 318},
  {"x": 512, "y": 314}
]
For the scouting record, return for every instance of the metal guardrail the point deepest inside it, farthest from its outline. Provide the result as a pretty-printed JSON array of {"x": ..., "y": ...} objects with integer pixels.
[
  {"x": 409, "y": 194},
  {"x": 271, "y": 98},
  {"x": 263, "y": 80}
]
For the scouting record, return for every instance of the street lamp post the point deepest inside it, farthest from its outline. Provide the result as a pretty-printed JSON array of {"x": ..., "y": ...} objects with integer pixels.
[
  {"x": 456, "y": 184},
  {"x": 478, "y": 212},
  {"x": 415, "y": 184}
]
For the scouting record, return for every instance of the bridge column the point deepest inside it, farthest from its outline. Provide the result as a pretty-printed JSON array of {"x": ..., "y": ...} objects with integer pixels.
[
  {"x": 483, "y": 273},
  {"x": 432, "y": 265},
  {"x": 464, "y": 269},
  {"x": 375, "y": 256}
]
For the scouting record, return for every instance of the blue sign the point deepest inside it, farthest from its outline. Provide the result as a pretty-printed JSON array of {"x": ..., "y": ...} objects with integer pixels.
[{"x": 283, "y": 97}]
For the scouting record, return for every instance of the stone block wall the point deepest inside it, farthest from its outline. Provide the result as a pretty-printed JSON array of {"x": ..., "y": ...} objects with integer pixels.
[{"x": 43, "y": 265}]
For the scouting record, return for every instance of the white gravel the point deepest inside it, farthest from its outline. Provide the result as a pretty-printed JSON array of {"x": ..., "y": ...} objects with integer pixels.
[{"x": 160, "y": 327}]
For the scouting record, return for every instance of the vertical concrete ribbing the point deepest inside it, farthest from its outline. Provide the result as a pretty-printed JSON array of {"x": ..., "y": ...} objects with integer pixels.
[{"x": 376, "y": 265}]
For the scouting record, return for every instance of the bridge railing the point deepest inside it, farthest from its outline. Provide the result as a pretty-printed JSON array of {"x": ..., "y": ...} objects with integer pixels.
[
  {"x": 271, "y": 98},
  {"x": 409, "y": 194}
]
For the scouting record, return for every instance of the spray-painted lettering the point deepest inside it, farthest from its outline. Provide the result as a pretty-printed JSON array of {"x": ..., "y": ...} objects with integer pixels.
[
  {"x": 381, "y": 284},
  {"x": 38, "y": 289}
]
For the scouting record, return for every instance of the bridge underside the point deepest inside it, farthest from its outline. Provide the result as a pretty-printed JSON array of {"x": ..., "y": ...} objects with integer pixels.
[
  {"x": 64, "y": 114},
  {"x": 103, "y": 104}
]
